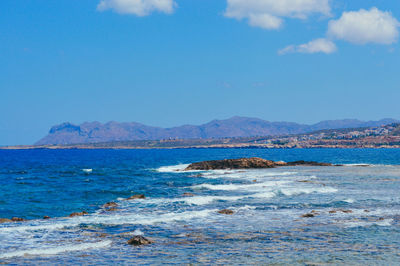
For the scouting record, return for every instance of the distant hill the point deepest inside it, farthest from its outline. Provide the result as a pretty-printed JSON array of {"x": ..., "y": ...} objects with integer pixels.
[{"x": 95, "y": 132}]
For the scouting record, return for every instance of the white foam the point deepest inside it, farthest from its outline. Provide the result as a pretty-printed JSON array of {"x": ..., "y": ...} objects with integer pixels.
[
  {"x": 349, "y": 200},
  {"x": 255, "y": 186},
  {"x": 172, "y": 168},
  {"x": 87, "y": 171},
  {"x": 115, "y": 219},
  {"x": 265, "y": 195},
  {"x": 357, "y": 164},
  {"x": 307, "y": 190},
  {"x": 203, "y": 200},
  {"x": 56, "y": 250},
  {"x": 385, "y": 222},
  {"x": 137, "y": 232}
]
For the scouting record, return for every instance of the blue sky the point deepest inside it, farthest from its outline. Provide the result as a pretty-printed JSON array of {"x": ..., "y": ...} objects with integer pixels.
[{"x": 173, "y": 62}]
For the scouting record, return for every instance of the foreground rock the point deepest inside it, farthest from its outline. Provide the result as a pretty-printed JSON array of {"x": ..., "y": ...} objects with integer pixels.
[
  {"x": 139, "y": 240},
  {"x": 247, "y": 163}
]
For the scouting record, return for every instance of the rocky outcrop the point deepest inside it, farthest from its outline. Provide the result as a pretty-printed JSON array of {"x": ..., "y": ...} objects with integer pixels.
[
  {"x": 139, "y": 196},
  {"x": 14, "y": 219},
  {"x": 226, "y": 211},
  {"x": 110, "y": 205},
  {"x": 243, "y": 163},
  {"x": 78, "y": 214},
  {"x": 247, "y": 163},
  {"x": 17, "y": 219},
  {"x": 5, "y": 220},
  {"x": 139, "y": 240}
]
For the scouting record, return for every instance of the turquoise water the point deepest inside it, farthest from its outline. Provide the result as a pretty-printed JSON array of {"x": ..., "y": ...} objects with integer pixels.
[{"x": 356, "y": 208}]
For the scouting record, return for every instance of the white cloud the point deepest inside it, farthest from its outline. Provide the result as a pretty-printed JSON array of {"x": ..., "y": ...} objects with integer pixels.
[
  {"x": 312, "y": 47},
  {"x": 365, "y": 26},
  {"x": 268, "y": 14},
  {"x": 265, "y": 21},
  {"x": 137, "y": 7}
]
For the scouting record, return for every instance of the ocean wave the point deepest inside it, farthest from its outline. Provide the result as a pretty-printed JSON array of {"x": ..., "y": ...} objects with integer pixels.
[
  {"x": 172, "y": 168},
  {"x": 56, "y": 250},
  {"x": 385, "y": 222},
  {"x": 242, "y": 186},
  {"x": 114, "y": 219},
  {"x": 307, "y": 190},
  {"x": 358, "y": 164}
]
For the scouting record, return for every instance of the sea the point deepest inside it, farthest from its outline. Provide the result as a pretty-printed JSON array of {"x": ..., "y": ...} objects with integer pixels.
[{"x": 339, "y": 215}]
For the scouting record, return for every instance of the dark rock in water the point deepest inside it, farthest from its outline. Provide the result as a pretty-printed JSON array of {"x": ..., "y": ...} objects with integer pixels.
[
  {"x": 186, "y": 194},
  {"x": 226, "y": 211},
  {"x": 305, "y": 163},
  {"x": 17, "y": 219},
  {"x": 247, "y": 163},
  {"x": 346, "y": 211},
  {"x": 332, "y": 211},
  {"x": 78, "y": 214},
  {"x": 110, "y": 205},
  {"x": 139, "y": 196},
  {"x": 5, "y": 220},
  {"x": 244, "y": 163},
  {"x": 308, "y": 215},
  {"x": 46, "y": 217},
  {"x": 139, "y": 240}
]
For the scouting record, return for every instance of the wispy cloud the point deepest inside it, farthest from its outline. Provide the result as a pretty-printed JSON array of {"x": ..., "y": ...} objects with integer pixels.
[
  {"x": 137, "y": 7},
  {"x": 315, "y": 46},
  {"x": 269, "y": 14}
]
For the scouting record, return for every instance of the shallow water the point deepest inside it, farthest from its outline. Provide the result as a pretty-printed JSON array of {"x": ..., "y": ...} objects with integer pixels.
[{"x": 356, "y": 208}]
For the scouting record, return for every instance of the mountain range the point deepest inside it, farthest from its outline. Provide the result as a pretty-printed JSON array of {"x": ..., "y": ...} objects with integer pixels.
[{"x": 95, "y": 132}]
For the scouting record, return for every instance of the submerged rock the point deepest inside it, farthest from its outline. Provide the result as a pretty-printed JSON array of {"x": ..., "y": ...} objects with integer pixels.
[
  {"x": 306, "y": 163},
  {"x": 78, "y": 214},
  {"x": 110, "y": 205},
  {"x": 226, "y": 211},
  {"x": 308, "y": 215},
  {"x": 139, "y": 196},
  {"x": 14, "y": 219},
  {"x": 17, "y": 219},
  {"x": 139, "y": 240},
  {"x": 187, "y": 194},
  {"x": 248, "y": 163}
]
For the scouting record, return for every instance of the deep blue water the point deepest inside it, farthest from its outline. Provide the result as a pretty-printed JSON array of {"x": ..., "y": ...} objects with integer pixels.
[{"x": 266, "y": 227}]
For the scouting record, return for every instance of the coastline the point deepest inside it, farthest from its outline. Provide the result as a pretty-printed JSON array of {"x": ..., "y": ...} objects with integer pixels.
[{"x": 127, "y": 147}]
